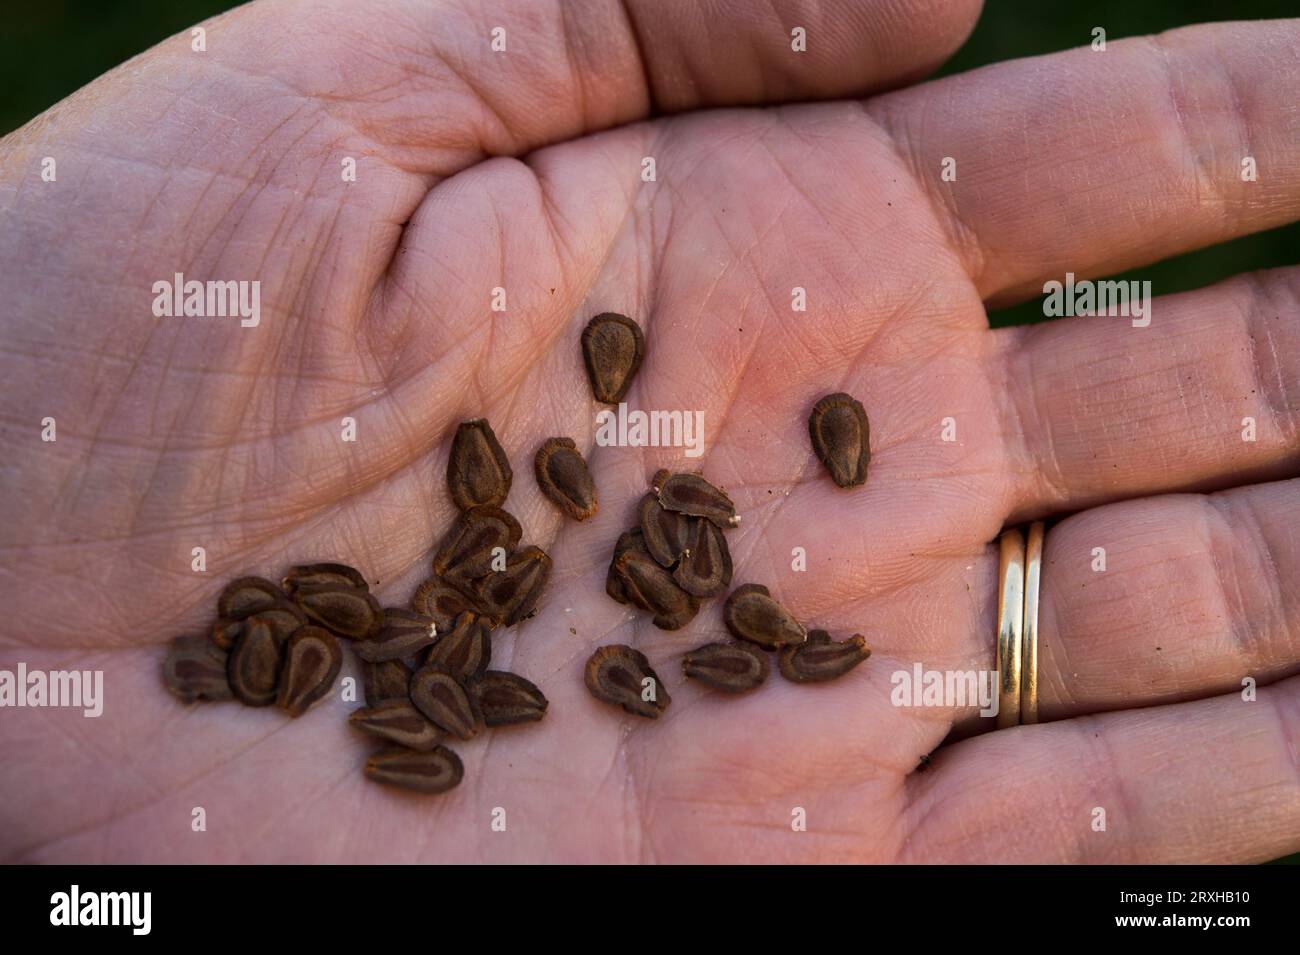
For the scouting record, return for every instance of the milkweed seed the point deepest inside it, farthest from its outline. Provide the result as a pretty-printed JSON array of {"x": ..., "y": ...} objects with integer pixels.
[
  {"x": 663, "y": 531},
  {"x": 691, "y": 494},
  {"x": 403, "y": 634},
  {"x": 323, "y": 575},
  {"x": 253, "y": 668},
  {"x": 628, "y": 540},
  {"x": 512, "y": 593},
  {"x": 653, "y": 588},
  {"x": 438, "y": 599},
  {"x": 478, "y": 472},
  {"x": 387, "y": 681},
  {"x": 821, "y": 659},
  {"x": 349, "y": 612},
  {"x": 705, "y": 567},
  {"x": 312, "y": 660},
  {"x": 398, "y": 722},
  {"x": 467, "y": 550},
  {"x": 436, "y": 771},
  {"x": 730, "y": 667},
  {"x": 442, "y": 698},
  {"x": 751, "y": 614},
  {"x": 246, "y": 596},
  {"x": 841, "y": 438},
  {"x": 507, "y": 698},
  {"x": 612, "y": 349},
  {"x": 195, "y": 669},
  {"x": 622, "y": 676},
  {"x": 464, "y": 651},
  {"x": 564, "y": 479}
]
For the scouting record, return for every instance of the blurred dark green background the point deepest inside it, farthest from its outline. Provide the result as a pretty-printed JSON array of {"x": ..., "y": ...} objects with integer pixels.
[{"x": 49, "y": 48}]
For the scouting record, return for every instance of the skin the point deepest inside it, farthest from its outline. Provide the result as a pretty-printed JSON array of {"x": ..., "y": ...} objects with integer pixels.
[{"x": 522, "y": 170}]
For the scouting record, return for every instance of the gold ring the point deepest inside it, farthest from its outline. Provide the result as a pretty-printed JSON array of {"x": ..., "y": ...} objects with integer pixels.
[
  {"x": 1029, "y": 655},
  {"x": 1011, "y": 620}
]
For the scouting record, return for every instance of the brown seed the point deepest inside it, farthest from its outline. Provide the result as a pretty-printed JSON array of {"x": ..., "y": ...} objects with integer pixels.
[
  {"x": 320, "y": 575},
  {"x": 398, "y": 722},
  {"x": 841, "y": 438},
  {"x": 730, "y": 667},
  {"x": 465, "y": 650},
  {"x": 195, "y": 669},
  {"x": 820, "y": 659},
  {"x": 312, "y": 660},
  {"x": 478, "y": 472},
  {"x": 442, "y": 698},
  {"x": 622, "y": 676},
  {"x": 433, "y": 772},
  {"x": 246, "y": 596},
  {"x": 253, "y": 668},
  {"x": 663, "y": 531},
  {"x": 507, "y": 698},
  {"x": 653, "y": 588},
  {"x": 628, "y": 540},
  {"x": 691, "y": 494},
  {"x": 444, "y": 603},
  {"x": 284, "y": 619},
  {"x": 512, "y": 594},
  {"x": 751, "y": 614},
  {"x": 403, "y": 634},
  {"x": 469, "y": 546},
  {"x": 390, "y": 680},
  {"x": 613, "y": 349},
  {"x": 563, "y": 477},
  {"x": 705, "y": 568},
  {"x": 349, "y": 612}
]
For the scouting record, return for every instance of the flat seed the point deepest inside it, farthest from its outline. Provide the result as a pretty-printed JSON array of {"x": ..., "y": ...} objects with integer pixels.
[
  {"x": 312, "y": 660},
  {"x": 564, "y": 479},
  {"x": 320, "y": 575},
  {"x": 254, "y": 666},
  {"x": 387, "y": 681},
  {"x": 468, "y": 548},
  {"x": 622, "y": 676},
  {"x": 512, "y": 594},
  {"x": 226, "y": 632},
  {"x": 663, "y": 531},
  {"x": 465, "y": 650},
  {"x": 730, "y": 667},
  {"x": 653, "y": 588},
  {"x": 284, "y": 619},
  {"x": 436, "y": 771},
  {"x": 398, "y": 722},
  {"x": 628, "y": 540},
  {"x": 195, "y": 669},
  {"x": 349, "y": 612},
  {"x": 691, "y": 494},
  {"x": 403, "y": 634},
  {"x": 444, "y": 603},
  {"x": 442, "y": 698},
  {"x": 246, "y": 596},
  {"x": 478, "y": 472},
  {"x": 841, "y": 438},
  {"x": 507, "y": 698},
  {"x": 751, "y": 614},
  {"x": 820, "y": 659},
  {"x": 612, "y": 349},
  {"x": 705, "y": 567}
]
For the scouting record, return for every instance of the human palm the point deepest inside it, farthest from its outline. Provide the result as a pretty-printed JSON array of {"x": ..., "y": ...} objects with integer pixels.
[{"x": 522, "y": 171}]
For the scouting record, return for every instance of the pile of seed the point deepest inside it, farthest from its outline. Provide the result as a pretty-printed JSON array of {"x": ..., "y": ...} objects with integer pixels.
[
  {"x": 665, "y": 566},
  {"x": 425, "y": 668}
]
